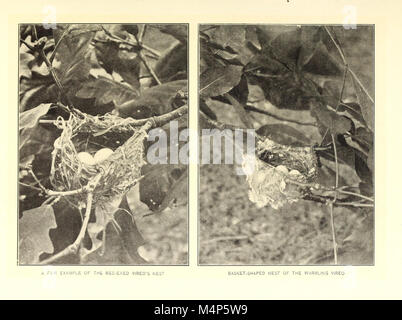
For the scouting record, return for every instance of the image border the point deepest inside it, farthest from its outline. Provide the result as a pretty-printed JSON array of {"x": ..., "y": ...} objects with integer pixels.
[
  {"x": 199, "y": 152},
  {"x": 187, "y": 24}
]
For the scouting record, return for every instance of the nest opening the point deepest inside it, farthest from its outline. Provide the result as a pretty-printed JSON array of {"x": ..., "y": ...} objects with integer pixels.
[{"x": 280, "y": 173}]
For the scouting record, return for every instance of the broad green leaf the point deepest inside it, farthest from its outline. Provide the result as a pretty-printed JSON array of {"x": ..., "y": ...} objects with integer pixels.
[
  {"x": 362, "y": 169},
  {"x": 267, "y": 33},
  {"x": 105, "y": 91},
  {"x": 104, "y": 214},
  {"x": 219, "y": 80},
  {"x": 173, "y": 64},
  {"x": 232, "y": 38},
  {"x": 153, "y": 101},
  {"x": 73, "y": 51},
  {"x": 30, "y": 118},
  {"x": 370, "y": 160},
  {"x": 239, "y": 92},
  {"x": 366, "y": 104},
  {"x": 331, "y": 120},
  {"x": 122, "y": 61},
  {"x": 25, "y": 64},
  {"x": 281, "y": 43},
  {"x": 157, "y": 187},
  {"x": 310, "y": 39},
  {"x": 33, "y": 233},
  {"x": 251, "y": 36},
  {"x": 114, "y": 248},
  {"x": 322, "y": 62},
  {"x": 36, "y": 90},
  {"x": 326, "y": 176},
  {"x": 131, "y": 28},
  {"x": 287, "y": 91},
  {"x": 177, "y": 191},
  {"x": 179, "y": 31}
]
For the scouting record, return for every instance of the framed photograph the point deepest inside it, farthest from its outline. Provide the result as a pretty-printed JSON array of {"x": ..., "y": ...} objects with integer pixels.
[
  {"x": 99, "y": 107},
  {"x": 287, "y": 144}
]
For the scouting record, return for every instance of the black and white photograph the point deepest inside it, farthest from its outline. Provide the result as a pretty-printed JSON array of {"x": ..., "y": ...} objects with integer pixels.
[
  {"x": 286, "y": 124},
  {"x": 103, "y": 154}
]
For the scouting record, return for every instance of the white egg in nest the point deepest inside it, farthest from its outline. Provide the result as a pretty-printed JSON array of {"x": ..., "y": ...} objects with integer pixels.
[{"x": 102, "y": 154}]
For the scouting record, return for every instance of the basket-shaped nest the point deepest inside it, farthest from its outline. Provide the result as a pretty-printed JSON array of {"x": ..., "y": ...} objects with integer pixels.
[
  {"x": 282, "y": 174},
  {"x": 86, "y": 133}
]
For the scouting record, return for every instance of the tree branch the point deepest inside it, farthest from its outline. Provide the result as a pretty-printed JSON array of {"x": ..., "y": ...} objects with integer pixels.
[
  {"x": 73, "y": 248},
  {"x": 157, "y": 121}
]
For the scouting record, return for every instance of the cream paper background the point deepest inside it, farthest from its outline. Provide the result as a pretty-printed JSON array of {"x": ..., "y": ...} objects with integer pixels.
[{"x": 384, "y": 280}]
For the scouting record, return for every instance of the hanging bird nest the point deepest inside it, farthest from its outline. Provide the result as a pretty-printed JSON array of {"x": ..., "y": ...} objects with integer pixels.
[
  {"x": 282, "y": 174},
  {"x": 86, "y": 133}
]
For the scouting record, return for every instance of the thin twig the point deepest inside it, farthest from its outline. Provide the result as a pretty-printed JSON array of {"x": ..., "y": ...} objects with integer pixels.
[
  {"x": 336, "y": 45},
  {"x": 355, "y": 204},
  {"x": 340, "y": 99},
  {"x": 34, "y": 33},
  {"x": 30, "y": 186},
  {"x": 336, "y": 162},
  {"x": 149, "y": 68},
  {"x": 73, "y": 248},
  {"x": 314, "y": 186},
  {"x": 32, "y": 48},
  {"x": 272, "y": 115},
  {"x": 331, "y": 203},
  {"x": 159, "y": 121},
  {"x": 66, "y": 193},
  {"x": 217, "y": 124},
  {"x": 156, "y": 53},
  {"x": 37, "y": 180},
  {"x": 335, "y": 246},
  {"x": 361, "y": 85},
  {"x": 145, "y": 61},
  {"x": 355, "y": 194},
  {"x": 141, "y": 34},
  {"x": 345, "y": 63},
  {"x": 49, "y": 66},
  {"x": 326, "y": 199},
  {"x": 66, "y": 30}
]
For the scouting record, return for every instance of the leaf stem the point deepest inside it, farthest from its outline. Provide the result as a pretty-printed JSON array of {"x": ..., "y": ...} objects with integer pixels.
[
  {"x": 30, "y": 186},
  {"x": 355, "y": 194}
]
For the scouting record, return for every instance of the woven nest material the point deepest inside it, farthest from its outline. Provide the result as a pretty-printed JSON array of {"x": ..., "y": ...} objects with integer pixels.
[
  {"x": 280, "y": 173},
  {"x": 86, "y": 133}
]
